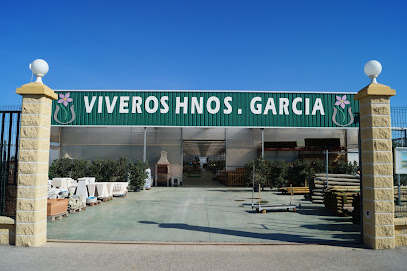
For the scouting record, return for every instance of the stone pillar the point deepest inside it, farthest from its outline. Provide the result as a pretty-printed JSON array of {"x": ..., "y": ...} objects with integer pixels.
[
  {"x": 32, "y": 183},
  {"x": 377, "y": 166}
]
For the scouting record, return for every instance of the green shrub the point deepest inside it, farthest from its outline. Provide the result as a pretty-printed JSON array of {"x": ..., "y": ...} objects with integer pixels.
[
  {"x": 138, "y": 173},
  {"x": 299, "y": 172},
  {"x": 122, "y": 168},
  {"x": 97, "y": 170},
  {"x": 344, "y": 168},
  {"x": 65, "y": 167},
  {"x": 102, "y": 170},
  {"x": 79, "y": 168},
  {"x": 60, "y": 168},
  {"x": 110, "y": 170},
  {"x": 341, "y": 167},
  {"x": 319, "y": 166},
  {"x": 278, "y": 173}
]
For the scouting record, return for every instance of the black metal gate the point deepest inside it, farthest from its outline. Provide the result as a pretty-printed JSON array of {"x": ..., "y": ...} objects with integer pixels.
[{"x": 10, "y": 130}]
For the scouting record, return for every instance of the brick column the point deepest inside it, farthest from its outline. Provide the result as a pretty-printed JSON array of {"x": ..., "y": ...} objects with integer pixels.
[
  {"x": 32, "y": 184},
  {"x": 377, "y": 166}
]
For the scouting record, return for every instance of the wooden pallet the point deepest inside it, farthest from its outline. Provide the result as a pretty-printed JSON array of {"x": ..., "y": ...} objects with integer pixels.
[
  {"x": 120, "y": 196},
  {"x": 94, "y": 203},
  {"x": 73, "y": 211},
  {"x": 52, "y": 218},
  {"x": 106, "y": 199}
]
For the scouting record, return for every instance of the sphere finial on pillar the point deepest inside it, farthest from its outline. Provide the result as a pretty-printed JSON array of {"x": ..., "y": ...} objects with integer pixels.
[
  {"x": 372, "y": 69},
  {"x": 40, "y": 68}
]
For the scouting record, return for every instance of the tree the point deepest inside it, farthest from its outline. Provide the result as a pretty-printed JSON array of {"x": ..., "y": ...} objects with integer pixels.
[
  {"x": 299, "y": 172},
  {"x": 261, "y": 172}
]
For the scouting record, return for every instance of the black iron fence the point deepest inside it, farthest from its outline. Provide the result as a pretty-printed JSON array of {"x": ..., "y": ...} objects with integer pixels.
[
  {"x": 399, "y": 139},
  {"x": 10, "y": 129}
]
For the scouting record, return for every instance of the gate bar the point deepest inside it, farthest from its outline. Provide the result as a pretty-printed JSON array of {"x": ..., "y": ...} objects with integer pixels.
[
  {"x": 2, "y": 182},
  {"x": 10, "y": 129},
  {"x": 17, "y": 148}
]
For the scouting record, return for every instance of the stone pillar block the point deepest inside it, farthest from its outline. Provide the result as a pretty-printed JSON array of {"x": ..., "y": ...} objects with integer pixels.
[
  {"x": 31, "y": 214},
  {"x": 7, "y": 231},
  {"x": 377, "y": 166}
]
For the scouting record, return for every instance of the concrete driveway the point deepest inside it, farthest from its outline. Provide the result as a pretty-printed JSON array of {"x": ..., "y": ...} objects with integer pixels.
[
  {"x": 205, "y": 214},
  {"x": 197, "y": 257}
]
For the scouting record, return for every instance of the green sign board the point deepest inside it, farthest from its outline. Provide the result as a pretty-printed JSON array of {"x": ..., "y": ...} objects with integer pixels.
[{"x": 204, "y": 109}]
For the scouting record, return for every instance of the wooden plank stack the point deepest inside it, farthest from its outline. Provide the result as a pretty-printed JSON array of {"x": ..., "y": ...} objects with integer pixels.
[
  {"x": 319, "y": 184},
  {"x": 339, "y": 199}
]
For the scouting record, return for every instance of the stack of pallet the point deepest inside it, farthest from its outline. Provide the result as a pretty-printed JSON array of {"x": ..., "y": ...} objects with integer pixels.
[
  {"x": 339, "y": 199},
  {"x": 321, "y": 182}
]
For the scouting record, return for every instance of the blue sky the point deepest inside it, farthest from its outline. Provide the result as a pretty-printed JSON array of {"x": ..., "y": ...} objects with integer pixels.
[{"x": 219, "y": 45}]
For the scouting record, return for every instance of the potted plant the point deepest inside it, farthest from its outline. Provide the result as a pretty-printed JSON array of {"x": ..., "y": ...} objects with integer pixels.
[
  {"x": 138, "y": 175},
  {"x": 261, "y": 173}
]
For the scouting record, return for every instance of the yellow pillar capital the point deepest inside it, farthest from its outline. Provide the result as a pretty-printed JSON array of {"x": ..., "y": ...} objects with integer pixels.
[
  {"x": 375, "y": 90},
  {"x": 37, "y": 89}
]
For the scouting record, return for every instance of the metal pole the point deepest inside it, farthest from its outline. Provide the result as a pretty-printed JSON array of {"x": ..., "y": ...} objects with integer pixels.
[
  {"x": 145, "y": 145},
  {"x": 399, "y": 190},
  {"x": 327, "y": 161},
  {"x": 226, "y": 149},
  {"x": 59, "y": 142},
  {"x": 262, "y": 143},
  {"x": 182, "y": 156},
  {"x": 398, "y": 175},
  {"x": 253, "y": 188}
]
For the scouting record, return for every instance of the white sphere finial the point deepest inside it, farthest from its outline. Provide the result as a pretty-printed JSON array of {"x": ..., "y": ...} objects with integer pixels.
[
  {"x": 40, "y": 68},
  {"x": 372, "y": 69}
]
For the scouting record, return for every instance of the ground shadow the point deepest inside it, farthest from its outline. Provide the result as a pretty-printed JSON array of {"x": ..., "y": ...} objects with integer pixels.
[
  {"x": 349, "y": 239},
  {"x": 229, "y": 190}
]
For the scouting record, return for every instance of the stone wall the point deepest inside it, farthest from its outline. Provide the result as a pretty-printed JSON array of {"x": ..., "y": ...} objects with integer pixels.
[
  {"x": 7, "y": 231},
  {"x": 400, "y": 231}
]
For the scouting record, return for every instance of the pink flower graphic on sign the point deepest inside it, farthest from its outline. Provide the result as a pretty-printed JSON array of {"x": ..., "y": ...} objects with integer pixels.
[
  {"x": 342, "y": 101},
  {"x": 64, "y": 99}
]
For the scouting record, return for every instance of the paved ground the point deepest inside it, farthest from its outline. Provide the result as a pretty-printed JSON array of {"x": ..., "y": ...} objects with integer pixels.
[
  {"x": 217, "y": 214},
  {"x": 58, "y": 256}
]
